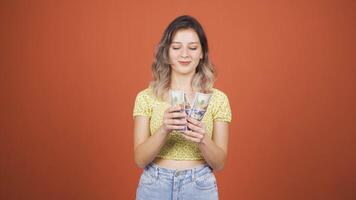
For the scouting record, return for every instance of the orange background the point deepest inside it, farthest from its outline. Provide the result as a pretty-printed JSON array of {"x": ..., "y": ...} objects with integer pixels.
[{"x": 70, "y": 71}]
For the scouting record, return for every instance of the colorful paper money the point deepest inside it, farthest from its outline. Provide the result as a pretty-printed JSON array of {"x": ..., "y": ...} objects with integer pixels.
[
  {"x": 177, "y": 98},
  {"x": 196, "y": 109},
  {"x": 200, "y": 105},
  {"x": 187, "y": 106}
]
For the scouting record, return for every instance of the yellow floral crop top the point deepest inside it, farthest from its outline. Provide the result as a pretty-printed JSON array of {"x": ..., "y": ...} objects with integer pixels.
[{"x": 176, "y": 146}]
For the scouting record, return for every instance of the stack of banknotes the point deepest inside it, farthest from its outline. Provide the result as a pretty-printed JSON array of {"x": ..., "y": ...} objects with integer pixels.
[{"x": 195, "y": 109}]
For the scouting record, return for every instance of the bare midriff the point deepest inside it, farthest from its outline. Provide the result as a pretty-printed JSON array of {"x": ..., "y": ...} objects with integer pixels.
[{"x": 178, "y": 164}]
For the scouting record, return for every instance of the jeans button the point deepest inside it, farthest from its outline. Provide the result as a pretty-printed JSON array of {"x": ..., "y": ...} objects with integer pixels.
[{"x": 176, "y": 174}]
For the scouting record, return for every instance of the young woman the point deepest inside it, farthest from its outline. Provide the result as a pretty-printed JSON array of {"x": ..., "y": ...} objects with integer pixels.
[{"x": 178, "y": 164}]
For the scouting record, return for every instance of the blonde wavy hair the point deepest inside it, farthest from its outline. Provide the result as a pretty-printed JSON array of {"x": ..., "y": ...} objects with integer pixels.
[{"x": 204, "y": 77}]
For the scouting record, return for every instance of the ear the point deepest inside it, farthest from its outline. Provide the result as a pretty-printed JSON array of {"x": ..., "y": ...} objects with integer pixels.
[{"x": 201, "y": 56}]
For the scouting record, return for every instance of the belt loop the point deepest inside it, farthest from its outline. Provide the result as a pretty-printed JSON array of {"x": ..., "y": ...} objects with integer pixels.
[
  {"x": 193, "y": 174},
  {"x": 157, "y": 172}
]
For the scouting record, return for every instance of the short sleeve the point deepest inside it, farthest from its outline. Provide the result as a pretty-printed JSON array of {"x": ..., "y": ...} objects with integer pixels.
[
  {"x": 223, "y": 110},
  {"x": 143, "y": 104}
]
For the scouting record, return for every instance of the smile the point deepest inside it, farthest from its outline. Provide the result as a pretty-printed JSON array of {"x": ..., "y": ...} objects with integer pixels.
[{"x": 184, "y": 62}]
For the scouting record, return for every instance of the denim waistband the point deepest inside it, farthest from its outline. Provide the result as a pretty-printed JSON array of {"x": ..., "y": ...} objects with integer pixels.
[{"x": 157, "y": 171}]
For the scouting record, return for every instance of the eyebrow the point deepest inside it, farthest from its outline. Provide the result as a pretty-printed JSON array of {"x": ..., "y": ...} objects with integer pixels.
[{"x": 188, "y": 43}]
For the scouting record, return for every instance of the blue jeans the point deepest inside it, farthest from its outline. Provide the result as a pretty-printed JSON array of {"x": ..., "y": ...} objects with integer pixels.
[{"x": 157, "y": 183}]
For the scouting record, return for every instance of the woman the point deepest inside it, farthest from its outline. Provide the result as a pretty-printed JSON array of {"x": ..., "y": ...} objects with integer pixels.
[{"x": 178, "y": 164}]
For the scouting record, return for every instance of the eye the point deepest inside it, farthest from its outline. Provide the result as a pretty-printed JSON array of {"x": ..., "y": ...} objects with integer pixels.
[
  {"x": 175, "y": 47},
  {"x": 193, "y": 47}
]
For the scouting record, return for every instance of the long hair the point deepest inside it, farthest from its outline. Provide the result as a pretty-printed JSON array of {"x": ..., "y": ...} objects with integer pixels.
[{"x": 204, "y": 76}]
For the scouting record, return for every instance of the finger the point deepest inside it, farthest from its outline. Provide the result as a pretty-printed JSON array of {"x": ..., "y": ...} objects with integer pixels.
[
  {"x": 194, "y": 121},
  {"x": 191, "y": 138},
  {"x": 175, "y": 127},
  {"x": 175, "y": 108},
  {"x": 177, "y": 115},
  {"x": 200, "y": 129},
  {"x": 193, "y": 134},
  {"x": 176, "y": 121},
  {"x": 195, "y": 128}
]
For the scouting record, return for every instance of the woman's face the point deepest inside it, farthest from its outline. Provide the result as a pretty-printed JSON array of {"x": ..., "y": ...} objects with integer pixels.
[{"x": 185, "y": 52}]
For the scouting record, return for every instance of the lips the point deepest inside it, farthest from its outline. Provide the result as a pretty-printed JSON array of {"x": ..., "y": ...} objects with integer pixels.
[{"x": 184, "y": 62}]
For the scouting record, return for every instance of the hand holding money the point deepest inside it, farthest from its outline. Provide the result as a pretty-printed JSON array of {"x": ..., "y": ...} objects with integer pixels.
[
  {"x": 196, "y": 131},
  {"x": 196, "y": 110},
  {"x": 178, "y": 101},
  {"x": 174, "y": 119}
]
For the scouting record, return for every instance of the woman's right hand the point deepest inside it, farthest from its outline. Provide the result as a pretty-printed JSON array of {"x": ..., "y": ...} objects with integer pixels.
[{"x": 174, "y": 119}]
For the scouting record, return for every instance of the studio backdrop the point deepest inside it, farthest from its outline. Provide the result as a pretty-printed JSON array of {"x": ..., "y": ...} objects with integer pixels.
[{"x": 70, "y": 72}]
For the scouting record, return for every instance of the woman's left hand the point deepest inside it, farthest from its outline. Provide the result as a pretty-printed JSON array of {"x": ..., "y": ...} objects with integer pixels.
[{"x": 197, "y": 130}]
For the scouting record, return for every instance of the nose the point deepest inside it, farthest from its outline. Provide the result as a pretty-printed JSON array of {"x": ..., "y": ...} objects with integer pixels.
[{"x": 184, "y": 53}]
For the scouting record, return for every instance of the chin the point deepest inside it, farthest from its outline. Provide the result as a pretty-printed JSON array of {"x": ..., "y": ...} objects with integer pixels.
[{"x": 184, "y": 71}]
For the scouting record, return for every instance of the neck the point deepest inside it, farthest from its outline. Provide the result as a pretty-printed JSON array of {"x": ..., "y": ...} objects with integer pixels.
[{"x": 182, "y": 81}]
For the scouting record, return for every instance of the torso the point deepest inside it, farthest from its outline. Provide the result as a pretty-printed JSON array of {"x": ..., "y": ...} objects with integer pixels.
[
  {"x": 178, "y": 164},
  {"x": 173, "y": 156}
]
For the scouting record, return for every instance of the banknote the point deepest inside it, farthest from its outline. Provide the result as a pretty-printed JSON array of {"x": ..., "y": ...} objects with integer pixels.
[
  {"x": 187, "y": 105},
  {"x": 177, "y": 97},
  {"x": 196, "y": 109},
  {"x": 200, "y": 105}
]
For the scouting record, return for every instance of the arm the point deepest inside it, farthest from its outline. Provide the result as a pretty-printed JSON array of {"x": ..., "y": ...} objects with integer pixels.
[
  {"x": 147, "y": 147},
  {"x": 214, "y": 150}
]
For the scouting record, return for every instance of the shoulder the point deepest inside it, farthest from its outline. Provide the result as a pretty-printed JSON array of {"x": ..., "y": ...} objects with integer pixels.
[
  {"x": 218, "y": 95},
  {"x": 220, "y": 106},
  {"x": 145, "y": 94},
  {"x": 143, "y": 103},
  {"x": 219, "y": 99}
]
